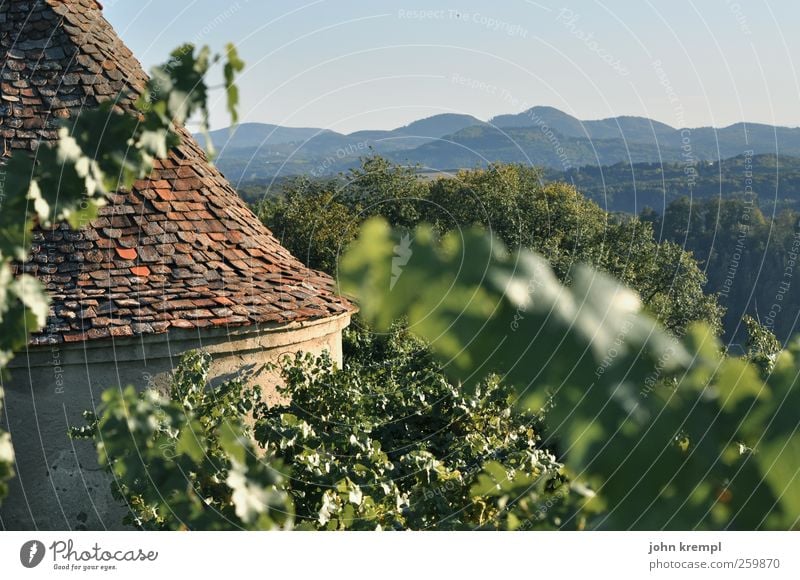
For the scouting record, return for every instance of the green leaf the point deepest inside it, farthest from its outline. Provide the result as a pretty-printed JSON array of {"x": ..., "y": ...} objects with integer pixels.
[
  {"x": 738, "y": 380},
  {"x": 191, "y": 444},
  {"x": 33, "y": 295},
  {"x": 233, "y": 65}
]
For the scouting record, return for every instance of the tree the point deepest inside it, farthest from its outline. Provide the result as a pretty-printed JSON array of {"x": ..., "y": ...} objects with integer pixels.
[
  {"x": 650, "y": 431},
  {"x": 311, "y": 221},
  {"x": 319, "y": 219},
  {"x": 714, "y": 447},
  {"x": 389, "y": 442},
  {"x": 749, "y": 259}
]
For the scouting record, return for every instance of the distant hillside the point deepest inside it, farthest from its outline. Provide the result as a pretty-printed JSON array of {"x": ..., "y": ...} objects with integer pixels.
[
  {"x": 630, "y": 128},
  {"x": 249, "y": 135},
  {"x": 484, "y": 144},
  {"x": 631, "y": 188},
  {"x": 260, "y": 151},
  {"x": 547, "y": 137},
  {"x": 439, "y": 125},
  {"x": 255, "y": 135},
  {"x": 623, "y": 187},
  {"x": 542, "y": 136}
]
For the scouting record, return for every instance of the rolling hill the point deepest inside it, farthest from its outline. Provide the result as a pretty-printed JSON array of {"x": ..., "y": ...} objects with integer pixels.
[{"x": 542, "y": 136}]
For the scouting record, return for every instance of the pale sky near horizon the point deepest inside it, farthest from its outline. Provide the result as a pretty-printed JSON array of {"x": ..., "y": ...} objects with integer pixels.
[{"x": 347, "y": 65}]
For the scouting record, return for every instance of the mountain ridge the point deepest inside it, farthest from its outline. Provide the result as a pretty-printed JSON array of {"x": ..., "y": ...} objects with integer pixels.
[{"x": 541, "y": 135}]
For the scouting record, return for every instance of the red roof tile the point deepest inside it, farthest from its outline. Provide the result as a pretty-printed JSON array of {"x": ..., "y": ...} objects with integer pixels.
[{"x": 176, "y": 250}]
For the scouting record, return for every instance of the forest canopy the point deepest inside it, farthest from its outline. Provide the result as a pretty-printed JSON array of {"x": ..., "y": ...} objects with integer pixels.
[{"x": 317, "y": 219}]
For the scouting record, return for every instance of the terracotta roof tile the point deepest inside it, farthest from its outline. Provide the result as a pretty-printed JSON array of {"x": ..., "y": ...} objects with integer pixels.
[{"x": 181, "y": 249}]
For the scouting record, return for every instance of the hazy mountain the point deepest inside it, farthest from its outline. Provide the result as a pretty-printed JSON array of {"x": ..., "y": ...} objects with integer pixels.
[
  {"x": 439, "y": 125},
  {"x": 538, "y": 116},
  {"x": 532, "y": 146},
  {"x": 260, "y": 134},
  {"x": 740, "y": 137},
  {"x": 630, "y": 128},
  {"x": 705, "y": 143},
  {"x": 548, "y": 137},
  {"x": 254, "y": 135},
  {"x": 540, "y": 136}
]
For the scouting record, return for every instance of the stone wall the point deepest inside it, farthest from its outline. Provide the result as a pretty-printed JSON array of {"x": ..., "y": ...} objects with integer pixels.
[{"x": 59, "y": 485}]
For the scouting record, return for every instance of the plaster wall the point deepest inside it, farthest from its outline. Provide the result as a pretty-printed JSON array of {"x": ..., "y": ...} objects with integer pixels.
[{"x": 59, "y": 485}]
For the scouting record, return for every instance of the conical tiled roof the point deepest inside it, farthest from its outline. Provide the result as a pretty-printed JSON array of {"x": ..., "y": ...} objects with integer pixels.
[{"x": 181, "y": 250}]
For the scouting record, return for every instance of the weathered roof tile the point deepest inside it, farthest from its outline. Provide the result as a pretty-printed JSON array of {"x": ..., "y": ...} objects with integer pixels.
[{"x": 181, "y": 249}]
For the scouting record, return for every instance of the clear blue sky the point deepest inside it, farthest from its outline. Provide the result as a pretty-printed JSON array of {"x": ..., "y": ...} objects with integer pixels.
[{"x": 355, "y": 64}]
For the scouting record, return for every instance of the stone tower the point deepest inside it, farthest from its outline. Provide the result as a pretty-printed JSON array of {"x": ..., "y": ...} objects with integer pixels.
[{"x": 177, "y": 263}]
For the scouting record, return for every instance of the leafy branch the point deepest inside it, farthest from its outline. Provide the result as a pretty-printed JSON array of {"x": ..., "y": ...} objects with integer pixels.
[
  {"x": 670, "y": 433},
  {"x": 103, "y": 150}
]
